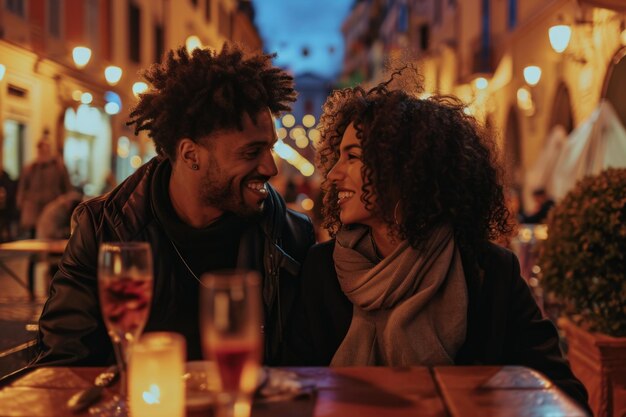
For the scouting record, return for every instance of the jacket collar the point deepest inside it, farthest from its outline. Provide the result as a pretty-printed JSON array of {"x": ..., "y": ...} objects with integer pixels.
[
  {"x": 274, "y": 211},
  {"x": 127, "y": 207}
]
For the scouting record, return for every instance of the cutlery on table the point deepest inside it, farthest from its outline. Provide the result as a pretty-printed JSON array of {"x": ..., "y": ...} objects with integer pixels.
[{"x": 84, "y": 398}]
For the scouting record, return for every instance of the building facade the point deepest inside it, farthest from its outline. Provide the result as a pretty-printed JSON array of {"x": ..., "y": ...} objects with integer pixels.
[
  {"x": 43, "y": 91},
  {"x": 479, "y": 50}
]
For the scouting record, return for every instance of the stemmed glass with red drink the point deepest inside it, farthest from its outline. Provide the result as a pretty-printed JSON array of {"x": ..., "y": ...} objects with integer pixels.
[
  {"x": 125, "y": 290},
  {"x": 231, "y": 336}
]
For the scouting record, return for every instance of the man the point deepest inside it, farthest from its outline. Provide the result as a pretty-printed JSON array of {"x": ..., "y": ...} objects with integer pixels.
[
  {"x": 42, "y": 181},
  {"x": 203, "y": 204}
]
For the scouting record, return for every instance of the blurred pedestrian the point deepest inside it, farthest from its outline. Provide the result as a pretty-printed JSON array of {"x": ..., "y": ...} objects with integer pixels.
[
  {"x": 40, "y": 182},
  {"x": 204, "y": 204},
  {"x": 411, "y": 277},
  {"x": 7, "y": 206}
]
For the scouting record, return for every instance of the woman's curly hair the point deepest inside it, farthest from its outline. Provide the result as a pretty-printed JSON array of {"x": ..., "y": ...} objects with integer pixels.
[
  {"x": 425, "y": 162},
  {"x": 193, "y": 95}
]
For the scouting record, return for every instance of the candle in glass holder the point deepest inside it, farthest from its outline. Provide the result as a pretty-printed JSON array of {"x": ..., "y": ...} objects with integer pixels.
[{"x": 156, "y": 368}]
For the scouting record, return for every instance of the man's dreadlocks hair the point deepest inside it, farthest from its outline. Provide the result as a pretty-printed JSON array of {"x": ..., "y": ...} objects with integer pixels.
[{"x": 193, "y": 95}]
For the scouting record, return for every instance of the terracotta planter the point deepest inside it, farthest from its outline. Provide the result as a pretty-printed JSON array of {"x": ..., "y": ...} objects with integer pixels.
[{"x": 599, "y": 361}]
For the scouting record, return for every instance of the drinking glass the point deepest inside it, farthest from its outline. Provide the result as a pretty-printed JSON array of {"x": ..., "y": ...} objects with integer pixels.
[
  {"x": 231, "y": 336},
  {"x": 125, "y": 291}
]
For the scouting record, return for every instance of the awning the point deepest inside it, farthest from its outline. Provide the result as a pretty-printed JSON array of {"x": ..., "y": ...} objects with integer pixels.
[
  {"x": 595, "y": 145},
  {"x": 617, "y": 5}
]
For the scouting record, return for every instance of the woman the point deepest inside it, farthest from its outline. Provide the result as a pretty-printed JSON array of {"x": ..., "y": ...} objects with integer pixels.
[{"x": 411, "y": 278}]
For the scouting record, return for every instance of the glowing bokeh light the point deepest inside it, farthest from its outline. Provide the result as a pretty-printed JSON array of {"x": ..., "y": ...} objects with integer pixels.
[
  {"x": 297, "y": 132},
  {"x": 481, "y": 83},
  {"x": 308, "y": 120},
  {"x": 307, "y": 169},
  {"x": 112, "y": 74},
  {"x": 307, "y": 204},
  {"x": 532, "y": 75},
  {"x": 86, "y": 98},
  {"x": 81, "y": 56},
  {"x": 139, "y": 87},
  {"x": 302, "y": 141},
  {"x": 525, "y": 100},
  {"x": 193, "y": 42},
  {"x": 123, "y": 147},
  {"x": 112, "y": 108},
  {"x": 559, "y": 37},
  {"x": 135, "y": 161},
  {"x": 314, "y": 135},
  {"x": 289, "y": 120}
]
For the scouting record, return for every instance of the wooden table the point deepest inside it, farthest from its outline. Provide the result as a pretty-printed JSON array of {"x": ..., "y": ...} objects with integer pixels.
[
  {"x": 43, "y": 250},
  {"x": 367, "y": 391}
]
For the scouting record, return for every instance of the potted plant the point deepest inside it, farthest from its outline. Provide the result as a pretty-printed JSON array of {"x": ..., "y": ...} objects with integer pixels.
[{"x": 583, "y": 264}]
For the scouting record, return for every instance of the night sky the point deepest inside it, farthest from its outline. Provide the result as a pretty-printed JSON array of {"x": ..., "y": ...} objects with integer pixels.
[{"x": 306, "y": 34}]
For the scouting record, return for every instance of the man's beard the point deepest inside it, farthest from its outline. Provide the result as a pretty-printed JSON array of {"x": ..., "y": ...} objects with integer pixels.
[{"x": 219, "y": 192}]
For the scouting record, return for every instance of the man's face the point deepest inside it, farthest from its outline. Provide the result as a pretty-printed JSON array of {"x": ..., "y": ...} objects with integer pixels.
[{"x": 236, "y": 165}]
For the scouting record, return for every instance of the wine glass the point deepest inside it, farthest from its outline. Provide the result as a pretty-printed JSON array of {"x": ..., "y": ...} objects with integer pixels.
[
  {"x": 125, "y": 291},
  {"x": 231, "y": 336}
]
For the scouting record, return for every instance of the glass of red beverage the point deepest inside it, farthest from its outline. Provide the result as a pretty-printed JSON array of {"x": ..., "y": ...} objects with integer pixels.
[
  {"x": 230, "y": 317},
  {"x": 125, "y": 290}
]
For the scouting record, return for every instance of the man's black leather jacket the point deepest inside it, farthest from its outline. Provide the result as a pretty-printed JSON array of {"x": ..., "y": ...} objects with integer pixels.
[{"x": 71, "y": 329}]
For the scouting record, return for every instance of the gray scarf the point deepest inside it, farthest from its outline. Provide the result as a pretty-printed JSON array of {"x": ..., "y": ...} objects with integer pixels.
[{"x": 409, "y": 309}]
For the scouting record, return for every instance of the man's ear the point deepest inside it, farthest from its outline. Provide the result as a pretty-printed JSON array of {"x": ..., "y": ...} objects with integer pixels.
[{"x": 187, "y": 154}]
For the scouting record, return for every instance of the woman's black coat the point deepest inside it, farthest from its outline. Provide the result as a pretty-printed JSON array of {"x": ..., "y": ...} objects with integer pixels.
[{"x": 505, "y": 326}]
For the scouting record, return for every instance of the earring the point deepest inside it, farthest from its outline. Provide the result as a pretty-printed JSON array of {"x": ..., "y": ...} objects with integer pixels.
[
  {"x": 195, "y": 167},
  {"x": 395, "y": 214}
]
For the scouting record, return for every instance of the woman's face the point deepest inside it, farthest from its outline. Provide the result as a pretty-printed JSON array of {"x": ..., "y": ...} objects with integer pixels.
[{"x": 348, "y": 179}]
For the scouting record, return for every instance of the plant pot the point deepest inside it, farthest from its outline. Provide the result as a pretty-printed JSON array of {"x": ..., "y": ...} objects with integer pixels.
[{"x": 599, "y": 361}]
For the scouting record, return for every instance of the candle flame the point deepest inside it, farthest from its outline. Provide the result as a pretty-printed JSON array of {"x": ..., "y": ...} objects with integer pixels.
[{"x": 153, "y": 395}]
